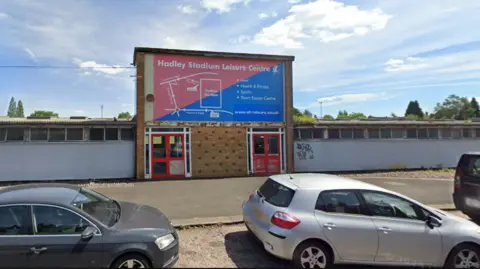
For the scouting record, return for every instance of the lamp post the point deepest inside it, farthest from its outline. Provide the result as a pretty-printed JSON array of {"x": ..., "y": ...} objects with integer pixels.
[{"x": 321, "y": 109}]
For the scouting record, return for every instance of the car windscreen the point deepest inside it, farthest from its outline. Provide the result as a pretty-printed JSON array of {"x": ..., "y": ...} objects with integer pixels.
[
  {"x": 276, "y": 193},
  {"x": 97, "y": 205}
]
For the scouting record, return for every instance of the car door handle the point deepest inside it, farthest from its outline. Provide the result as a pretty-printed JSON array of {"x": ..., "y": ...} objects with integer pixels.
[
  {"x": 329, "y": 225},
  {"x": 385, "y": 229},
  {"x": 38, "y": 250}
]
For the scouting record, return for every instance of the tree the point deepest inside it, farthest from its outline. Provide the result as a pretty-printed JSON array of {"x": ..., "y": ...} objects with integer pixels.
[
  {"x": 328, "y": 117},
  {"x": 454, "y": 107},
  {"x": 20, "y": 112},
  {"x": 124, "y": 115},
  {"x": 43, "y": 113},
  {"x": 297, "y": 112},
  {"x": 307, "y": 113},
  {"x": 393, "y": 115},
  {"x": 414, "y": 108},
  {"x": 12, "y": 108},
  {"x": 343, "y": 114},
  {"x": 475, "y": 107}
]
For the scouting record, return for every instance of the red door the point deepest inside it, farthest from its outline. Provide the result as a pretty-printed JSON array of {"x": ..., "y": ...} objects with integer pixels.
[
  {"x": 266, "y": 154},
  {"x": 168, "y": 156}
]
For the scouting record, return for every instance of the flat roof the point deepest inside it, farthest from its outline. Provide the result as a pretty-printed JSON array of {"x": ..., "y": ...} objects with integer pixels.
[
  {"x": 388, "y": 122},
  {"x": 64, "y": 121},
  {"x": 211, "y": 54}
]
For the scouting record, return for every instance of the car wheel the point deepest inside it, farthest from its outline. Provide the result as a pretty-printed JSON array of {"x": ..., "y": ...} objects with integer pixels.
[
  {"x": 464, "y": 256},
  {"x": 312, "y": 255},
  {"x": 131, "y": 261}
]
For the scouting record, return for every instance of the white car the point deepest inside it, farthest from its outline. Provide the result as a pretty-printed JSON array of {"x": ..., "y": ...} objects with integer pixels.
[{"x": 317, "y": 220}]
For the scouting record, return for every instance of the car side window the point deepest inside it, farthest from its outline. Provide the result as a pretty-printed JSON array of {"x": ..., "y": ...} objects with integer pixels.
[
  {"x": 15, "y": 220},
  {"x": 338, "y": 202},
  {"x": 474, "y": 166},
  {"x": 387, "y": 205},
  {"x": 51, "y": 220}
]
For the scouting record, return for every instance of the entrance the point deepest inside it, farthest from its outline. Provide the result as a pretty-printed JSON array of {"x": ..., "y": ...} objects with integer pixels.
[
  {"x": 266, "y": 154},
  {"x": 168, "y": 155}
]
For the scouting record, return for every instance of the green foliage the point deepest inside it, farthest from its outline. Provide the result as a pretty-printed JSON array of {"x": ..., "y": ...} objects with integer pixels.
[
  {"x": 12, "y": 108},
  {"x": 414, "y": 108},
  {"x": 328, "y": 117},
  {"x": 42, "y": 113},
  {"x": 124, "y": 115},
  {"x": 20, "y": 111},
  {"x": 456, "y": 107},
  {"x": 343, "y": 114},
  {"x": 307, "y": 113},
  {"x": 393, "y": 115},
  {"x": 304, "y": 119},
  {"x": 475, "y": 107}
]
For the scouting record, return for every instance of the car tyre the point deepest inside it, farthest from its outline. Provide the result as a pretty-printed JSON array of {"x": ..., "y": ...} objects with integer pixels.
[
  {"x": 312, "y": 254},
  {"x": 463, "y": 256},
  {"x": 131, "y": 261}
]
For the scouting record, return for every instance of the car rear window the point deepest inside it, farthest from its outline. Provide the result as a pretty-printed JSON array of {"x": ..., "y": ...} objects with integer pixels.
[
  {"x": 276, "y": 193},
  {"x": 470, "y": 164}
]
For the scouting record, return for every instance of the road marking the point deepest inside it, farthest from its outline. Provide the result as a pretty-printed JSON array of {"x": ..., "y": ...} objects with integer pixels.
[{"x": 395, "y": 183}]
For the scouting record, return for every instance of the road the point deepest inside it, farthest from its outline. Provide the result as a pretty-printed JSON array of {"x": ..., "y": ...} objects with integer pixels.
[{"x": 185, "y": 199}]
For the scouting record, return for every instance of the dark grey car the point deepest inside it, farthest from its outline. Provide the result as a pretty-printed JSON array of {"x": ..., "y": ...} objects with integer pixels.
[{"x": 67, "y": 226}]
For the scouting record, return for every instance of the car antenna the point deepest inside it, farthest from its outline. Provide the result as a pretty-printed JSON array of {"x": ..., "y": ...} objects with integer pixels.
[{"x": 290, "y": 176}]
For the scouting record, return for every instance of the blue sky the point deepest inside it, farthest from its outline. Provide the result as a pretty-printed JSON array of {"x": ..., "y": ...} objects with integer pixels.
[{"x": 363, "y": 56}]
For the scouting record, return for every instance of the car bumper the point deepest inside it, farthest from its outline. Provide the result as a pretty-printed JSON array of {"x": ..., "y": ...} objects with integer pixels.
[
  {"x": 273, "y": 241},
  {"x": 456, "y": 201},
  {"x": 168, "y": 257}
]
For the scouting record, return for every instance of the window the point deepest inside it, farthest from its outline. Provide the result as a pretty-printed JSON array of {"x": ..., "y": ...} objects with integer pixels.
[
  {"x": 56, "y": 134},
  {"x": 422, "y": 133},
  {"x": 433, "y": 133},
  {"x": 15, "y": 134},
  {"x": 111, "y": 134},
  {"x": 477, "y": 133},
  {"x": 346, "y": 133},
  {"x": 333, "y": 134},
  {"x": 338, "y": 202},
  {"x": 259, "y": 144},
  {"x": 38, "y": 134},
  {"x": 374, "y": 133},
  {"x": 97, "y": 134},
  {"x": 53, "y": 220},
  {"x": 15, "y": 220},
  {"x": 276, "y": 193},
  {"x": 147, "y": 154},
  {"x": 473, "y": 168},
  {"x": 306, "y": 134},
  {"x": 318, "y": 133},
  {"x": 386, "y": 133},
  {"x": 3, "y": 133},
  {"x": 358, "y": 134},
  {"x": 386, "y": 205},
  {"x": 447, "y": 133},
  {"x": 457, "y": 133},
  {"x": 97, "y": 205},
  {"x": 466, "y": 133},
  {"x": 397, "y": 133},
  {"x": 75, "y": 134},
  {"x": 126, "y": 134},
  {"x": 412, "y": 133}
]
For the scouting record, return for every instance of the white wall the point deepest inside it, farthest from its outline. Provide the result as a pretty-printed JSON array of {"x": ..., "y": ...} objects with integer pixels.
[
  {"x": 72, "y": 160},
  {"x": 328, "y": 155}
]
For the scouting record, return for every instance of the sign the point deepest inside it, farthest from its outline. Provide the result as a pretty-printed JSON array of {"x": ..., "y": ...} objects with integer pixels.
[{"x": 195, "y": 88}]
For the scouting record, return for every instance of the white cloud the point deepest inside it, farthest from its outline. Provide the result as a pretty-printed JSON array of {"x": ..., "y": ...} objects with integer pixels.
[
  {"x": 353, "y": 98},
  {"x": 264, "y": 15},
  {"x": 222, "y": 6},
  {"x": 409, "y": 64},
  {"x": 186, "y": 9},
  {"x": 79, "y": 111},
  {"x": 325, "y": 20},
  {"x": 4, "y": 15},
  {"x": 294, "y": 1},
  {"x": 240, "y": 39},
  {"x": 99, "y": 68},
  {"x": 30, "y": 53}
]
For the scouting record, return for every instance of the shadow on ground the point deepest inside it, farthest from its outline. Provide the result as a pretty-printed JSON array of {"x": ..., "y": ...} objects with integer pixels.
[{"x": 247, "y": 252}]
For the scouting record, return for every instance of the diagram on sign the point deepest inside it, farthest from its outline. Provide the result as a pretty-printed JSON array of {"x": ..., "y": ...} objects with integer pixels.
[{"x": 208, "y": 89}]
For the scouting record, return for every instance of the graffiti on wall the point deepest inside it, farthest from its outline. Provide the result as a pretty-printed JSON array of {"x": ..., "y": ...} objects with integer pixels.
[{"x": 305, "y": 151}]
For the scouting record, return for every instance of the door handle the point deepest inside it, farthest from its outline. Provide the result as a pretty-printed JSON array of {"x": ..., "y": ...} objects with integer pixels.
[
  {"x": 385, "y": 229},
  {"x": 329, "y": 225},
  {"x": 38, "y": 250}
]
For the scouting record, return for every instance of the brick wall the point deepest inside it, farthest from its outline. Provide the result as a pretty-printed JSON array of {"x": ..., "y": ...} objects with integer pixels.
[
  {"x": 140, "y": 111},
  {"x": 219, "y": 152}
]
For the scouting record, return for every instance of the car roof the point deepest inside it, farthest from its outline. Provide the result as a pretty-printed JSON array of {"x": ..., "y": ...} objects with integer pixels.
[
  {"x": 323, "y": 182},
  {"x": 49, "y": 193},
  {"x": 472, "y": 153}
]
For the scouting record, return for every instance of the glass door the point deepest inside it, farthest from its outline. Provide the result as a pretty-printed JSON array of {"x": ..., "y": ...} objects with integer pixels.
[
  {"x": 159, "y": 167},
  {"x": 168, "y": 156},
  {"x": 266, "y": 154}
]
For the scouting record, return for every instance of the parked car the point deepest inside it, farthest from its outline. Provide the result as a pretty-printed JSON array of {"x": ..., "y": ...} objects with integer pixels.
[
  {"x": 466, "y": 192},
  {"x": 68, "y": 226},
  {"x": 317, "y": 220}
]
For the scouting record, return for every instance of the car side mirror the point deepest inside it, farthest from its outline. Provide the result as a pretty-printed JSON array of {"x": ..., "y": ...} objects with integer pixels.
[
  {"x": 88, "y": 233},
  {"x": 433, "y": 222}
]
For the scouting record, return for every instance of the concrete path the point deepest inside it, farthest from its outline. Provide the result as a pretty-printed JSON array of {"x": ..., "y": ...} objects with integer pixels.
[{"x": 213, "y": 198}]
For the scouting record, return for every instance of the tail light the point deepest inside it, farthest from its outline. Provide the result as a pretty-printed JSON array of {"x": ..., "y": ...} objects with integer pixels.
[
  {"x": 251, "y": 195},
  {"x": 283, "y": 220},
  {"x": 458, "y": 176}
]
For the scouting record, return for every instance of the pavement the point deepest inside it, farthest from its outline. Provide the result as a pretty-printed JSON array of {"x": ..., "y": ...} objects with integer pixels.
[{"x": 211, "y": 201}]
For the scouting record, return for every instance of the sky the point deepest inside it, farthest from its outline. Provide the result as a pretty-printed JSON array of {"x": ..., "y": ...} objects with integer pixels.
[{"x": 369, "y": 56}]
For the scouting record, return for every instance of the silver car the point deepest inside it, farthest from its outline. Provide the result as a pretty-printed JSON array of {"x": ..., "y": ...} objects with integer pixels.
[{"x": 318, "y": 220}]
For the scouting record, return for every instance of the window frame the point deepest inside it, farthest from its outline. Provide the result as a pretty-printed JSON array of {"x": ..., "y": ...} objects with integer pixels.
[
  {"x": 123, "y": 129},
  {"x": 4, "y": 138},
  {"x": 30, "y": 133},
  {"x": 15, "y": 141},
  {"x": 360, "y": 193},
  {"x": 363, "y": 209},
  {"x": 34, "y": 226},
  {"x": 117, "y": 130},
  {"x": 74, "y": 128},
  {"x": 29, "y": 227},
  {"x": 57, "y": 141},
  {"x": 90, "y": 134}
]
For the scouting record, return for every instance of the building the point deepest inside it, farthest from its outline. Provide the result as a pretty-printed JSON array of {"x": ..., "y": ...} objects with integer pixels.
[
  {"x": 212, "y": 114},
  {"x": 362, "y": 145},
  {"x": 44, "y": 148}
]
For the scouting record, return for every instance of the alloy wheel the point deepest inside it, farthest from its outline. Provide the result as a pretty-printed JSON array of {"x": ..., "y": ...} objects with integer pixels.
[
  {"x": 467, "y": 258},
  {"x": 313, "y": 257},
  {"x": 132, "y": 263}
]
